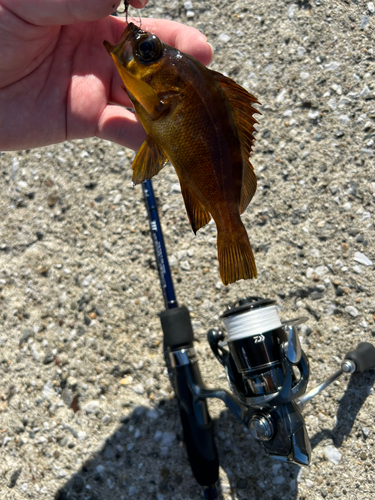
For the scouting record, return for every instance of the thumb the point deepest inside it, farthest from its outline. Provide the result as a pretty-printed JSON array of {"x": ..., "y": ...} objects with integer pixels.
[{"x": 60, "y": 12}]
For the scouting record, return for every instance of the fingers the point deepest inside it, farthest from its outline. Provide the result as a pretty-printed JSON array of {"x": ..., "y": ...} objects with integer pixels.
[
  {"x": 184, "y": 38},
  {"x": 61, "y": 12},
  {"x": 120, "y": 125}
]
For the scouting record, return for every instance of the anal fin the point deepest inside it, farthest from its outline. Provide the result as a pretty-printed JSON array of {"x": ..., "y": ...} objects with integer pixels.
[
  {"x": 149, "y": 161},
  {"x": 198, "y": 215},
  {"x": 249, "y": 184}
]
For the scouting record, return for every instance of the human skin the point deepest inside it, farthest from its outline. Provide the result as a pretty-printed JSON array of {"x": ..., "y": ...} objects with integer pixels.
[{"x": 57, "y": 81}]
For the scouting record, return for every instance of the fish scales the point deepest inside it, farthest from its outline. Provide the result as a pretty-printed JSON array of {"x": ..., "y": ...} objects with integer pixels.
[
  {"x": 202, "y": 122},
  {"x": 221, "y": 147}
]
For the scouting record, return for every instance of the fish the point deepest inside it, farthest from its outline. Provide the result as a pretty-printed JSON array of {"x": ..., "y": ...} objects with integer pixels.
[{"x": 202, "y": 123}]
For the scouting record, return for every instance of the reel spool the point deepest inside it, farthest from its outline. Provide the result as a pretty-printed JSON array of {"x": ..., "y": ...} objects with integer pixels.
[
  {"x": 260, "y": 346},
  {"x": 255, "y": 335}
]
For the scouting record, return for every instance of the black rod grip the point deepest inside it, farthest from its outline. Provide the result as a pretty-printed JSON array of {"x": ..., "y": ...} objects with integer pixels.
[
  {"x": 197, "y": 426},
  {"x": 201, "y": 448},
  {"x": 177, "y": 328},
  {"x": 363, "y": 357}
]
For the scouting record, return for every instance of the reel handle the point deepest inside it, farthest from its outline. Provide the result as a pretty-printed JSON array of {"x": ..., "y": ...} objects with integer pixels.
[{"x": 363, "y": 357}]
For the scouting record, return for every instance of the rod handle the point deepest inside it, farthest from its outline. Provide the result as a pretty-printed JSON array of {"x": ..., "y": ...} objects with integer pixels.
[{"x": 363, "y": 357}]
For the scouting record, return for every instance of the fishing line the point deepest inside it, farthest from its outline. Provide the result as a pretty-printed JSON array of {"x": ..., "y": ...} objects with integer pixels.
[
  {"x": 126, "y": 5},
  {"x": 253, "y": 322}
]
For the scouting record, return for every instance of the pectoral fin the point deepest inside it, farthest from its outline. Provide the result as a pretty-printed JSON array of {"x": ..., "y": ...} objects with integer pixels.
[
  {"x": 241, "y": 103},
  {"x": 198, "y": 215},
  {"x": 149, "y": 161}
]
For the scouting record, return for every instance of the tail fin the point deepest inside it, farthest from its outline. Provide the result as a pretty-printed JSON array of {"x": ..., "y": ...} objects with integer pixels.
[{"x": 236, "y": 259}]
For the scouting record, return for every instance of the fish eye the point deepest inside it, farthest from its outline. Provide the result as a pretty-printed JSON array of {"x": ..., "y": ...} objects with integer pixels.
[{"x": 149, "y": 49}]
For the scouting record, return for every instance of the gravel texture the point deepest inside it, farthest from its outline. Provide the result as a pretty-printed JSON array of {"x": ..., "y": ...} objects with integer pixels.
[{"x": 86, "y": 409}]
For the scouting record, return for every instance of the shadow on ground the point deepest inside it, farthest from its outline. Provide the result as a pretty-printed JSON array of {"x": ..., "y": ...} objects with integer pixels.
[
  {"x": 144, "y": 468},
  {"x": 154, "y": 465},
  {"x": 349, "y": 406}
]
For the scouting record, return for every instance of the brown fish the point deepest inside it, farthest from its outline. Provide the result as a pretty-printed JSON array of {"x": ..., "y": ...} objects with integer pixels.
[{"x": 202, "y": 122}]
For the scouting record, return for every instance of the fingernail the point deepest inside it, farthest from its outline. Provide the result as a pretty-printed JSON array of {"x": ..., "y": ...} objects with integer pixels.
[{"x": 142, "y": 2}]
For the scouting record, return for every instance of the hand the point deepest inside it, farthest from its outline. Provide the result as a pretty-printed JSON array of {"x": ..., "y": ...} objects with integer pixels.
[{"x": 57, "y": 81}]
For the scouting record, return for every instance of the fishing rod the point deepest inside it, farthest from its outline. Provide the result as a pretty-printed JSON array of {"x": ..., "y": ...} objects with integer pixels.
[
  {"x": 182, "y": 365},
  {"x": 165, "y": 275}
]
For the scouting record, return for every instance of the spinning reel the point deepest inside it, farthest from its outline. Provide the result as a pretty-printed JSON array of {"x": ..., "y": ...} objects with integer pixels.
[{"x": 268, "y": 372}]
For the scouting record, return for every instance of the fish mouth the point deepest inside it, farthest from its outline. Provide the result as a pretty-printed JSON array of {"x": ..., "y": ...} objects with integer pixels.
[
  {"x": 122, "y": 52},
  {"x": 130, "y": 33},
  {"x": 136, "y": 30}
]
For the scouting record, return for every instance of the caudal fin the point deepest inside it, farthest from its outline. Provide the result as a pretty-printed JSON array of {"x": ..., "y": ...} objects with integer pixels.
[{"x": 236, "y": 259}]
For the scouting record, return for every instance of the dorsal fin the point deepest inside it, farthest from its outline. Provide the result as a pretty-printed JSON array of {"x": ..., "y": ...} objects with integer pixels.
[{"x": 241, "y": 104}]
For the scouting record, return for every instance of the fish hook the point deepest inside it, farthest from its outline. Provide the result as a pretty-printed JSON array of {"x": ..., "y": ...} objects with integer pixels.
[{"x": 125, "y": 11}]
